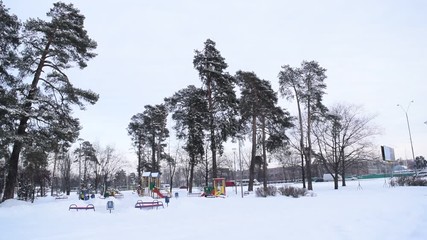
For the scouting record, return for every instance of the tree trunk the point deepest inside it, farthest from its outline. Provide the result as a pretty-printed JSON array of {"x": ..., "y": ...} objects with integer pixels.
[
  {"x": 190, "y": 181},
  {"x": 97, "y": 178},
  {"x": 336, "y": 181},
  {"x": 105, "y": 178},
  {"x": 343, "y": 166},
  {"x": 308, "y": 159},
  {"x": 264, "y": 155},
  {"x": 207, "y": 169},
  {"x": 85, "y": 172},
  {"x": 67, "y": 182},
  {"x": 158, "y": 148},
  {"x": 153, "y": 154},
  {"x": 53, "y": 173},
  {"x": 12, "y": 171},
  {"x": 301, "y": 141},
  {"x": 4, "y": 173},
  {"x": 139, "y": 165},
  {"x": 211, "y": 125},
  {"x": 253, "y": 155},
  {"x": 172, "y": 168},
  {"x": 65, "y": 175},
  {"x": 213, "y": 150}
]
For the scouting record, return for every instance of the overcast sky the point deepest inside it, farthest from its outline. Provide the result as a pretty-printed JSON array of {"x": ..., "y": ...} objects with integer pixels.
[{"x": 375, "y": 53}]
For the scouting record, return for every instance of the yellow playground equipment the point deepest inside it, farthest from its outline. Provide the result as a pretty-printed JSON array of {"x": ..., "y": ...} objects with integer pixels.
[{"x": 217, "y": 190}]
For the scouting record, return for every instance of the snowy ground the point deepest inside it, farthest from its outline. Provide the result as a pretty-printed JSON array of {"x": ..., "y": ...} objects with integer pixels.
[{"x": 374, "y": 212}]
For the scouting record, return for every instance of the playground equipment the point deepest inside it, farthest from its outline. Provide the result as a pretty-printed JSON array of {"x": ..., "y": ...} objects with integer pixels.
[
  {"x": 151, "y": 185},
  {"x": 218, "y": 189},
  {"x": 85, "y": 195},
  {"x": 113, "y": 193},
  {"x": 219, "y": 185}
]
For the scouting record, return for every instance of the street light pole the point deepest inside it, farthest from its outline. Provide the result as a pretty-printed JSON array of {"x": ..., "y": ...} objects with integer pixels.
[
  {"x": 80, "y": 164},
  {"x": 409, "y": 130},
  {"x": 241, "y": 171},
  {"x": 235, "y": 170}
]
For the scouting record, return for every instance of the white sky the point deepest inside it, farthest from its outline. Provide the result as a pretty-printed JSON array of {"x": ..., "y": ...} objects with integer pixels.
[{"x": 374, "y": 52}]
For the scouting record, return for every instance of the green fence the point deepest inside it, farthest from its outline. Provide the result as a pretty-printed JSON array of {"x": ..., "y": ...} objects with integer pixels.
[{"x": 385, "y": 175}]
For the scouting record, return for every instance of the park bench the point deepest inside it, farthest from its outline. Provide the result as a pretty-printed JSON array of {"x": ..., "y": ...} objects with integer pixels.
[
  {"x": 118, "y": 196},
  {"x": 87, "y": 207},
  {"x": 195, "y": 194},
  {"x": 154, "y": 204},
  {"x": 61, "y": 197}
]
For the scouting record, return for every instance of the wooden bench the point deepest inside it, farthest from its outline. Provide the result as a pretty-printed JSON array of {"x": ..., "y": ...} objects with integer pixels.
[
  {"x": 75, "y": 207},
  {"x": 154, "y": 204}
]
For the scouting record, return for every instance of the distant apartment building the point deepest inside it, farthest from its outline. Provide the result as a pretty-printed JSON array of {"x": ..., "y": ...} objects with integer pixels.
[{"x": 294, "y": 173}]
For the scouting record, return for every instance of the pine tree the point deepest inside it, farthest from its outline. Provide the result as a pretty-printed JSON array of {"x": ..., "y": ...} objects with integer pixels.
[
  {"x": 258, "y": 107},
  {"x": 48, "y": 49},
  {"x": 87, "y": 159},
  {"x": 190, "y": 111},
  {"x": 149, "y": 129},
  {"x": 290, "y": 85},
  {"x": 9, "y": 41},
  {"x": 136, "y": 131},
  {"x": 155, "y": 121},
  {"x": 307, "y": 85},
  {"x": 220, "y": 95}
]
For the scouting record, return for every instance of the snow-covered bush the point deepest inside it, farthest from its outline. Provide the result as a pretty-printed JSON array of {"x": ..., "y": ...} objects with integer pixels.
[
  {"x": 408, "y": 181},
  {"x": 264, "y": 192},
  {"x": 292, "y": 191}
]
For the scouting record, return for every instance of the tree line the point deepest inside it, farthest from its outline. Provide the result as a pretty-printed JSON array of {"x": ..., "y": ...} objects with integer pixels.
[{"x": 244, "y": 107}]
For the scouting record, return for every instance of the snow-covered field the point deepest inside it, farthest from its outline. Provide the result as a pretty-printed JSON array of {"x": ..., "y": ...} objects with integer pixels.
[{"x": 374, "y": 212}]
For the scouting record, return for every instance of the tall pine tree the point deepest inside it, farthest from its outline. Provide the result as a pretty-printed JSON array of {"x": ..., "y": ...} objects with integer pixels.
[
  {"x": 9, "y": 41},
  {"x": 136, "y": 130},
  {"x": 258, "y": 107},
  {"x": 307, "y": 85},
  {"x": 49, "y": 48},
  {"x": 220, "y": 95},
  {"x": 190, "y": 112},
  {"x": 149, "y": 129}
]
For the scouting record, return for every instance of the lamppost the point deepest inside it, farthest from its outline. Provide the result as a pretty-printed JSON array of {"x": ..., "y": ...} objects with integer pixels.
[
  {"x": 241, "y": 171},
  {"x": 80, "y": 164},
  {"x": 235, "y": 170},
  {"x": 409, "y": 129}
]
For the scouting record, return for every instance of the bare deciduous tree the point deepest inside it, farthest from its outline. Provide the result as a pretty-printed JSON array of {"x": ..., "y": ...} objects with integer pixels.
[
  {"x": 343, "y": 136},
  {"x": 110, "y": 162}
]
